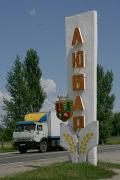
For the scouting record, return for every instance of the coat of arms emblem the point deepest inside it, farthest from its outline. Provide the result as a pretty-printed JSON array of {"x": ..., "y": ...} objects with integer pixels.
[{"x": 64, "y": 109}]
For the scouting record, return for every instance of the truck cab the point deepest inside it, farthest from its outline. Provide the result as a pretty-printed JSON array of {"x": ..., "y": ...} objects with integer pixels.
[{"x": 30, "y": 135}]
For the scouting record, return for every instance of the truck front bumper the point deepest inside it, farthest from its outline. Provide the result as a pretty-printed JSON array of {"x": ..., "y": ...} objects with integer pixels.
[{"x": 28, "y": 145}]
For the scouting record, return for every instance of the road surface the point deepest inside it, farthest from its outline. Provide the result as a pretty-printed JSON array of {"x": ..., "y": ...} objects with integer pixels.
[
  {"x": 109, "y": 153},
  {"x": 8, "y": 158},
  {"x": 15, "y": 162}
]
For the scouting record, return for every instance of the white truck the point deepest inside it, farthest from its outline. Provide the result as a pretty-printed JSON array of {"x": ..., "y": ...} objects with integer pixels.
[{"x": 38, "y": 131}]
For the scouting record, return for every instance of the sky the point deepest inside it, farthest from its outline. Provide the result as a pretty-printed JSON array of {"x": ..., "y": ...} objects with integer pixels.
[{"x": 40, "y": 25}]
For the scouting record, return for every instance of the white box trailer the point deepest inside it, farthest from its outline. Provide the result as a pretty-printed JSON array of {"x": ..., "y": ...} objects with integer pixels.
[
  {"x": 39, "y": 130},
  {"x": 53, "y": 125}
]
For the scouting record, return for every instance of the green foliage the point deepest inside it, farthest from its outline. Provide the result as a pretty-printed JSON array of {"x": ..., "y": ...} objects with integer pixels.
[
  {"x": 32, "y": 76},
  {"x": 5, "y": 135},
  {"x": 1, "y": 136},
  {"x": 116, "y": 124},
  {"x": 16, "y": 86},
  {"x": 23, "y": 86},
  {"x": 105, "y": 102}
]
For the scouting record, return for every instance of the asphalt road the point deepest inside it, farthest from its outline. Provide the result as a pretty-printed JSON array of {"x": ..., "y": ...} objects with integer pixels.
[
  {"x": 108, "y": 148},
  {"x": 16, "y": 157},
  {"x": 12, "y": 163},
  {"x": 109, "y": 153}
]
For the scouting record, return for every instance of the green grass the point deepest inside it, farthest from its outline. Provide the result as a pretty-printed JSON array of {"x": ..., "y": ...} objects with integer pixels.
[
  {"x": 65, "y": 171},
  {"x": 109, "y": 165},
  {"x": 7, "y": 147},
  {"x": 113, "y": 140}
]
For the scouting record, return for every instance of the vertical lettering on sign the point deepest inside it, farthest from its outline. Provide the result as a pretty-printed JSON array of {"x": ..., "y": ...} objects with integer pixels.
[
  {"x": 78, "y": 60},
  {"x": 78, "y": 122},
  {"x": 78, "y": 82},
  {"x": 78, "y": 105},
  {"x": 77, "y": 37}
]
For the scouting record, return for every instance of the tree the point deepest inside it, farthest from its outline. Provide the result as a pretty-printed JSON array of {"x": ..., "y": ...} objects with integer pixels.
[
  {"x": 32, "y": 76},
  {"x": 116, "y": 124},
  {"x": 17, "y": 89},
  {"x": 23, "y": 86},
  {"x": 105, "y": 102},
  {"x": 1, "y": 136}
]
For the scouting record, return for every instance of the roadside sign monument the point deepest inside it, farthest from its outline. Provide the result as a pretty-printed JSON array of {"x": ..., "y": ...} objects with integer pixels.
[{"x": 80, "y": 136}]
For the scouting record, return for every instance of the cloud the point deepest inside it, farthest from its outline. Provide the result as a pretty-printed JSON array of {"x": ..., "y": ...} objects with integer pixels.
[
  {"x": 47, "y": 106},
  {"x": 48, "y": 85},
  {"x": 33, "y": 12}
]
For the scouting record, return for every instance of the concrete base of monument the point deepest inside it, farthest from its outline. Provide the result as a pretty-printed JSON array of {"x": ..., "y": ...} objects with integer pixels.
[
  {"x": 81, "y": 145},
  {"x": 92, "y": 156}
]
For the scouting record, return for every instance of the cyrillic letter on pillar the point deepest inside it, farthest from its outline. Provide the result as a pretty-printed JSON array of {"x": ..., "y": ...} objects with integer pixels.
[
  {"x": 78, "y": 82},
  {"x": 77, "y": 37},
  {"x": 78, "y": 104},
  {"x": 78, "y": 122},
  {"x": 78, "y": 60}
]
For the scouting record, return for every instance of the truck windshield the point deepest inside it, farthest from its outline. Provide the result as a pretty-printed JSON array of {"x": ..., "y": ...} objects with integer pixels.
[{"x": 25, "y": 127}]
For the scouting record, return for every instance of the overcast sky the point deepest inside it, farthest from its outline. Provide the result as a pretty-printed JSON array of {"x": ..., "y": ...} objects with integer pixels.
[{"x": 40, "y": 24}]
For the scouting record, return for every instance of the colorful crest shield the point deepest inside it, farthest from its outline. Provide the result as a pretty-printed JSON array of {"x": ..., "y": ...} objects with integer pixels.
[{"x": 64, "y": 109}]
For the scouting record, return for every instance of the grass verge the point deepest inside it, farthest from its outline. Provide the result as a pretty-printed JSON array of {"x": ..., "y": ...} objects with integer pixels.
[
  {"x": 109, "y": 165},
  {"x": 113, "y": 140},
  {"x": 7, "y": 147},
  {"x": 67, "y": 171},
  {"x": 7, "y": 150}
]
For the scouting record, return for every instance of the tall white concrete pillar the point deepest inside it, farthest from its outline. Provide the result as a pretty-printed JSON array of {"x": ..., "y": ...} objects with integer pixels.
[{"x": 85, "y": 40}]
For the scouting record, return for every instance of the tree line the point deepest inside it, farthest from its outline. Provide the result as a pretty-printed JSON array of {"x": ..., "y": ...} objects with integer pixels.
[
  {"x": 24, "y": 88},
  {"x": 27, "y": 96}
]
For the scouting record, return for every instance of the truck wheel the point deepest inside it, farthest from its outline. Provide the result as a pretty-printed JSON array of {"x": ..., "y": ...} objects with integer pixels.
[
  {"x": 22, "y": 149},
  {"x": 43, "y": 146}
]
